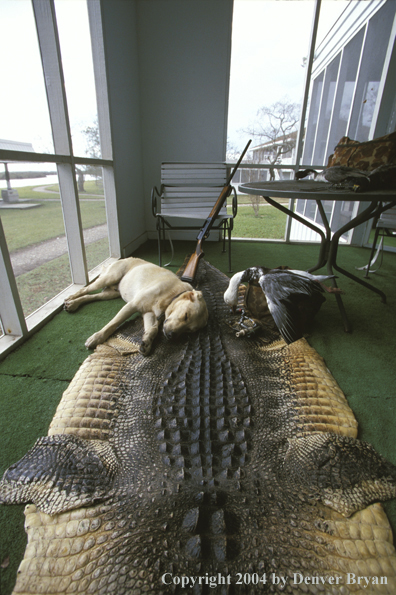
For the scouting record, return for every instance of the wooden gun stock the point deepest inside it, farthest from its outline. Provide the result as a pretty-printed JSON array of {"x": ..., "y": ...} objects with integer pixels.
[{"x": 191, "y": 269}]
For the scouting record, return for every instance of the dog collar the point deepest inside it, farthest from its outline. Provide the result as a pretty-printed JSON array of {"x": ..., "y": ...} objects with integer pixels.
[{"x": 178, "y": 295}]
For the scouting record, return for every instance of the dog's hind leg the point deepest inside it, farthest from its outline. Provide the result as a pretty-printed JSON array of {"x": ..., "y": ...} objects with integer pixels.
[
  {"x": 75, "y": 301},
  {"x": 151, "y": 324},
  {"x": 108, "y": 280}
]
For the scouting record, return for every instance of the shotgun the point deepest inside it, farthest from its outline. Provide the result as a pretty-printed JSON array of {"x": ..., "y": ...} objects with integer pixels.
[{"x": 192, "y": 265}]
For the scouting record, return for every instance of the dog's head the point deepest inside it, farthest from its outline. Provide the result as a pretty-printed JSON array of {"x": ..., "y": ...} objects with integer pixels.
[{"x": 185, "y": 314}]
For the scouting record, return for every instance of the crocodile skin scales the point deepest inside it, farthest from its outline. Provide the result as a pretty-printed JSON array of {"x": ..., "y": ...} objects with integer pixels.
[{"x": 213, "y": 455}]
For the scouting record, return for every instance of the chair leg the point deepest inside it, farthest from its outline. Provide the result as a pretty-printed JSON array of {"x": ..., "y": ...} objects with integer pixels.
[
  {"x": 229, "y": 249},
  {"x": 372, "y": 251},
  {"x": 223, "y": 233},
  {"x": 159, "y": 246},
  {"x": 161, "y": 240}
]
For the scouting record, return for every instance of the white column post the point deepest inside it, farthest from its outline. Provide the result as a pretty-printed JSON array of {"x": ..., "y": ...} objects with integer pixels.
[
  {"x": 11, "y": 312},
  {"x": 99, "y": 64},
  {"x": 47, "y": 32}
]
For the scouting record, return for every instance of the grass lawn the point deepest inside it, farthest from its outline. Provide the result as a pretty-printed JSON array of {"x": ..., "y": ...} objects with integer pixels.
[
  {"x": 40, "y": 285},
  {"x": 92, "y": 190},
  {"x": 29, "y": 192},
  {"x": 24, "y": 228},
  {"x": 270, "y": 223},
  {"x": 245, "y": 199},
  {"x": 90, "y": 187},
  {"x": 388, "y": 241},
  {"x": 43, "y": 283}
]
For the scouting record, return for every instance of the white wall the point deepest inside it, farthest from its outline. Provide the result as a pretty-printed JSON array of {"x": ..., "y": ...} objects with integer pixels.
[
  {"x": 168, "y": 65},
  {"x": 121, "y": 54}
]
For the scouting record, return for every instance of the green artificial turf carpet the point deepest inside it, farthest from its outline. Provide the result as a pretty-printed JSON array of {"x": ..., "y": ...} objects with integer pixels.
[{"x": 33, "y": 377}]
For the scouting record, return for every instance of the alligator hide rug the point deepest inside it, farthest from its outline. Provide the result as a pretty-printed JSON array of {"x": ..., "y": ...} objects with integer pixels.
[{"x": 215, "y": 465}]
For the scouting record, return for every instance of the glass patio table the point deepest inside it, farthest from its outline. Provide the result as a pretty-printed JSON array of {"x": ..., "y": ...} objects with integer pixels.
[{"x": 378, "y": 202}]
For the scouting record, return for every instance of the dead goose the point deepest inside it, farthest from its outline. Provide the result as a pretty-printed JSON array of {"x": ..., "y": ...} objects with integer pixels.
[
  {"x": 282, "y": 289},
  {"x": 338, "y": 174}
]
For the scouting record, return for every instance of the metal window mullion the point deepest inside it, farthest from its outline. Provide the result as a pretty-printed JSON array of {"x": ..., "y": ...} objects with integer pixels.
[
  {"x": 311, "y": 55},
  {"x": 11, "y": 312},
  {"x": 111, "y": 212},
  {"x": 44, "y": 13},
  {"x": 326, "y": 74},
  {"x": 307, "y": 85},
  {"x": 334, "y": 102},
  {"x": 73, "y": 224},
  {"x": 317, "y": 123},
  {"x": 355, "y": 92},
  {"x": 47, "y": 32},
  {"x": 384, "y": 76},
  {"x": 357, "y": 79},
  {"x": 98, "y": 58},
  {"x": 102, "y": 100},
  {"x": 6, "y": 155}
]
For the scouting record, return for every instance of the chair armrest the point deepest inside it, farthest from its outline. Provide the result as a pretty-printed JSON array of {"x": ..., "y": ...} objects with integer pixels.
[
  {"x": 234, "y": 202},
  {"x": 154, "y": 195}
]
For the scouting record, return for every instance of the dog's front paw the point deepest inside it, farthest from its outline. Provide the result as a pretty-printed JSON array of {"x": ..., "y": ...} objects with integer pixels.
[
  {"x": 145, "y": 347},
  {"x": 93, "y": 341},
  {"x": 69, "y": 305}
]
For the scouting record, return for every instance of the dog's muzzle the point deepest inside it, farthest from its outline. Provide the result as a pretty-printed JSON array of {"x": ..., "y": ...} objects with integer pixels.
[{"x": 168, "y": 334}]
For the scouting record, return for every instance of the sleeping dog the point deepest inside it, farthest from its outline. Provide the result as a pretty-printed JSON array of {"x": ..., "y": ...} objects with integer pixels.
[{"x": 150, "y": 290}]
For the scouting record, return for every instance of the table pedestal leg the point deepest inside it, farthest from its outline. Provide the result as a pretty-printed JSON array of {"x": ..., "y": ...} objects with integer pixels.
[{"x": 329, "y": 247}]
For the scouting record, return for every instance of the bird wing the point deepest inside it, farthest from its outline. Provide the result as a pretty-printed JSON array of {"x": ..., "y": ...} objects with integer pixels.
[{"x": 281, "y": 289}]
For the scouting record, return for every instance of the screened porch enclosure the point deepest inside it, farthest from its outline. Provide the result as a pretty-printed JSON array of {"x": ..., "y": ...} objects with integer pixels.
[
  {"x": 349, "y": 91},
  {"x": 94, "y": 121},
  {"x": 351, "y": 70}
]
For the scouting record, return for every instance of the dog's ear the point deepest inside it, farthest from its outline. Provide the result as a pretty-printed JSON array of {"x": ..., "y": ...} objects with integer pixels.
[
  {"x": 188, "y": 295},
  {"x": 193, "y": 295},
  {"x": 197, "y": 295}
]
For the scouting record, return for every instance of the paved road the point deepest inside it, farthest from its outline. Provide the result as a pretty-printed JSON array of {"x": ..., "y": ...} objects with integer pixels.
[{"x": 27, "y": 259}]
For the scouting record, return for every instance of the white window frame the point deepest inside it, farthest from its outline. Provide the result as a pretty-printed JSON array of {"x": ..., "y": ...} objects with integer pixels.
[{"x": 15, "y": 326}]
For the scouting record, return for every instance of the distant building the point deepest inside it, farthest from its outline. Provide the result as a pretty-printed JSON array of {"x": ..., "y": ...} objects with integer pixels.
[
  {"x": 264, "y": 154},
  {"x": 267, "y": 152}
]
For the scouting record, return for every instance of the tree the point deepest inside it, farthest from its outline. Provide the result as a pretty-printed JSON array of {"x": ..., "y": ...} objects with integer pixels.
[
  {"x": 93, "y": 140},
  {"x": 244, "y": 175},
  {"x": 93, "y": 150},
  {"x": 275, "y": 126},
  {"x": 232, "y": 152}
]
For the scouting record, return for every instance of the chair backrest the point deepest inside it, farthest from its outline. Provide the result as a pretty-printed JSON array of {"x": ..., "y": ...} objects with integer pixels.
[
  {"x": 387, "y": 219},
  {"x": 191, "y": 189}
]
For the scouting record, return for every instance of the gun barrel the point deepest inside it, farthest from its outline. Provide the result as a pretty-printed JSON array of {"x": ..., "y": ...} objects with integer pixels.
[
  {"x": 238, "y": 163},
  {"x": 192, "y": 265}
]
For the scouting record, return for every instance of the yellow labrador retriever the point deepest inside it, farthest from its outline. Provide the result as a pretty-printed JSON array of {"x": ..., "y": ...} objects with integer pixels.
[{"x": 150, "y": 290}]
